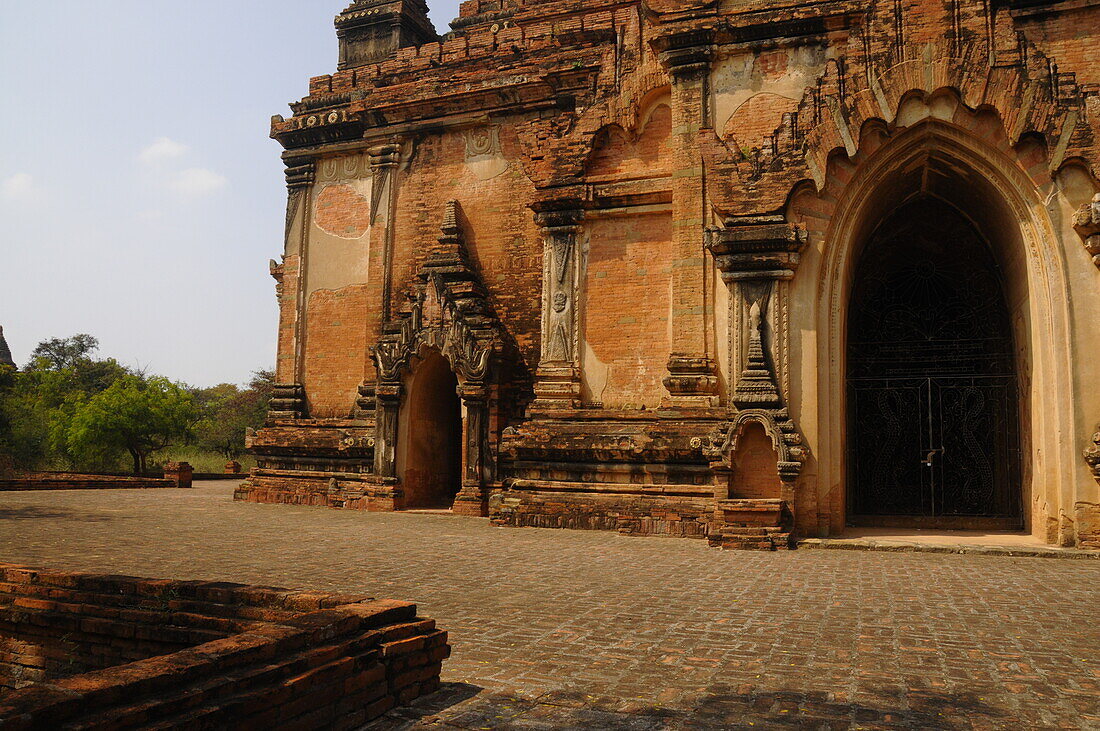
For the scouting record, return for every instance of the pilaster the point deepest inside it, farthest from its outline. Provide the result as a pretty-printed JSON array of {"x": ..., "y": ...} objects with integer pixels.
[
  {"x": 384, "y": 162},
  {"x": 757, "y": 255},
  {"x": 691, "y": 379},
  {"x": 388, "y": 395},
  {"x": 471, "y": 499},
  {"x": 288, "y": 400},
  {"x": 557, "y": 378}
]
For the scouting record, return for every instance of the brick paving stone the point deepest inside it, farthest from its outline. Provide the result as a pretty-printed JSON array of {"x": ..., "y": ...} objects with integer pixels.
[{"x": 559, "y": 629}]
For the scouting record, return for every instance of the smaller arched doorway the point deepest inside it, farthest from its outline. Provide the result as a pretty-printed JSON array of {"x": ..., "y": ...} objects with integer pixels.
[
  {"x": 432, "y": 421},
  {"x": 933, "y": 424}
]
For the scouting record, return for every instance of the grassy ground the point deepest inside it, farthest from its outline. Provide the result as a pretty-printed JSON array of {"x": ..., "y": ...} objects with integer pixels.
[{"x": 203, "y": 461}]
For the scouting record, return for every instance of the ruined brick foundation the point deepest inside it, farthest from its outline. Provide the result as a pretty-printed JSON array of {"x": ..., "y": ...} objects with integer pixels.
[{"x": 97, "y": 652}]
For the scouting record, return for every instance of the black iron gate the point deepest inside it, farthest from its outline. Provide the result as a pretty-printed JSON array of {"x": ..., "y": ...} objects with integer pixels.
[{"x": 932, "y": 396}]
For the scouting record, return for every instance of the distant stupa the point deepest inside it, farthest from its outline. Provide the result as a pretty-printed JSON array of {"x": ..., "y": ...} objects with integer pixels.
[{"x": 5, "y": 351}]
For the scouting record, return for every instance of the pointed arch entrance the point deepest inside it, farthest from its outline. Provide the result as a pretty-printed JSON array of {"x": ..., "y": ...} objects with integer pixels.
[
  {"x": 933, "y": 424},
  {"x": 995, "y": 194},
  {"x": 431, "y": 460}
]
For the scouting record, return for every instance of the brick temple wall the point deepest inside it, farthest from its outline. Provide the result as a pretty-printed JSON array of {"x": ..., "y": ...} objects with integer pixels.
[{"x": 690, "y": 162}]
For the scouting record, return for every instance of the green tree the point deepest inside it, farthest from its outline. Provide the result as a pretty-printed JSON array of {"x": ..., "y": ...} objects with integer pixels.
[
  {"x": 7, "y": 388},
  {"x": 61, "y": 353},
  {"x": 134, "y": 415},
  {"x": 229, "y": 411}
]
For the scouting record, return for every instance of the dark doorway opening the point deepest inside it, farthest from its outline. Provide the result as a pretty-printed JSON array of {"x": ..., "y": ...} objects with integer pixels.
[
  {"x": 433, "y": 458},
  {"x": 933, "y": 425}
]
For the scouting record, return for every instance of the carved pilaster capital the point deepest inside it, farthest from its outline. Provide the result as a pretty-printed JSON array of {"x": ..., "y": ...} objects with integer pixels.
[
  {"x": 692, "y": 380},
  {"x": 388, "y": 394},
  {"x": 385, "y": 156},
  {"x": 558, "y": 221},
  {"x": 473, "y": 394},
  {"x": 756, "y": 248},
  {"x": 366, "y": 400},
  {"x": 288, "y": 401},
  {"x": 300, "y": 173},
  {"x": 686, "y": 53}
]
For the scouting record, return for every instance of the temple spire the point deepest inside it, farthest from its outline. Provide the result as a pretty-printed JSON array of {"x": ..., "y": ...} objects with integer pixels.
[
  {"x": 371, "y": 31},
  {"x": 756, "y": 388},
  {"x": 5, "y": 351}
]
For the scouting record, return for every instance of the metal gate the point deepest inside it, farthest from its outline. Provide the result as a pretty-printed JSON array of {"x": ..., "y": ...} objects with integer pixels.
[{"x": 933, "y": 434}]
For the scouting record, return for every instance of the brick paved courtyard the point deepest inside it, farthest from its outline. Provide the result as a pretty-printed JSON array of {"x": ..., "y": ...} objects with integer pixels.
[{"x": 555, "y": 628}]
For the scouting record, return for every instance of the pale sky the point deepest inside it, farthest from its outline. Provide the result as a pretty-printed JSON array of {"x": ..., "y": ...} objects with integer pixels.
[{"x": 140, "y": 195}]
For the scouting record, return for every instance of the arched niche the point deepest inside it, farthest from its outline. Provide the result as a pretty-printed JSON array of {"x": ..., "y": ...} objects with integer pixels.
[
  {"x": 429, "y": 444},
  {"x": 755, "y": 464}
]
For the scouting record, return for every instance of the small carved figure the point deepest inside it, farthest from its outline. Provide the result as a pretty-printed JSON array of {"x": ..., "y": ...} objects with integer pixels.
[{"x": 1092, "y": 454}]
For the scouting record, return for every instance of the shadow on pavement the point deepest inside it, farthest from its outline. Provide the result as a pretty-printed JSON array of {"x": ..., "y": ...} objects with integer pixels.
[
  {"x": 33, "y": 512},
  {"x": 466, "y": 706}
]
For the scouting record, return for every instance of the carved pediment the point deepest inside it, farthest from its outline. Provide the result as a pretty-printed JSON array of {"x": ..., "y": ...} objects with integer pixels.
[
  {"x": 448, "y": 310},
  {"x": 779, "y": 427}
]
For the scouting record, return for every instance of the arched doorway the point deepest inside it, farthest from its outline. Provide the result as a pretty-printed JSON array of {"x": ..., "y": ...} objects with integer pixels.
[
  {"x": 432, "y": 452},
  {"x": 933, "y": 423}
]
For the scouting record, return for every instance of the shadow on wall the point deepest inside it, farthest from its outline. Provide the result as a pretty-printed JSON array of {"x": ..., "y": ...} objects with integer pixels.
[{"x": 468, "y": 706}]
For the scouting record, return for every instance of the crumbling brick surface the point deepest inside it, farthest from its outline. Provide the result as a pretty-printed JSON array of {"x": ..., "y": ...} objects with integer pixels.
[{"x": 96, "y": 651}]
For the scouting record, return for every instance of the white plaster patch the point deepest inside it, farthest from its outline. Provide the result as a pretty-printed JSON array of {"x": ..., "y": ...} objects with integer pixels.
[
  {"x": 484, "y": 157},
  {"x": 737, "y": 78},
  {"x": 911, "y": 111}
]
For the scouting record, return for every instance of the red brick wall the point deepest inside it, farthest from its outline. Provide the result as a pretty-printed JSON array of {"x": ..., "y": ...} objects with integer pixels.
[
  {"x": 336, "y": 347},
  {"x": 288, "y": 303},
  {"x": 757, "y": 118},
  {"x": 1070, "y": 39},
  {"x": 617, "y": 154},
  {"x": 504, "y": 243},
  {"x": 627, "y": 304},
  {"x": 341, "y": 211}
]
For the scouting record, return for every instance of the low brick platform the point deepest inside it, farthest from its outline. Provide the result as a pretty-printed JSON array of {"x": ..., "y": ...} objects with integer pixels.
[
  {"x": 684, "y": 511},
  {"x": 72, "y": 481},
  {"x": 99, "y": 651}
]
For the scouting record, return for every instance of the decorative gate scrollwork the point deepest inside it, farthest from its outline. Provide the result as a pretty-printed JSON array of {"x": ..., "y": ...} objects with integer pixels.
[{"x": 933, "y": 425}]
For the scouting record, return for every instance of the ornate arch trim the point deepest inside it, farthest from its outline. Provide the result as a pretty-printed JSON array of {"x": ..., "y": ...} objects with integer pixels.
[
  {"x": 780, "y": 429},
  {"x": 1052, "y": 459}
]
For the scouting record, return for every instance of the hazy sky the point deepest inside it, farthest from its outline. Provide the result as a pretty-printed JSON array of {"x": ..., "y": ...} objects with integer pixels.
[{"x": 140, "y": 195}]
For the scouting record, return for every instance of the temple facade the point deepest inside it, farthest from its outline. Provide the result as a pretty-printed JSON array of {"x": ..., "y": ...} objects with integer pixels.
[{"x": 739, "y": 271}]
